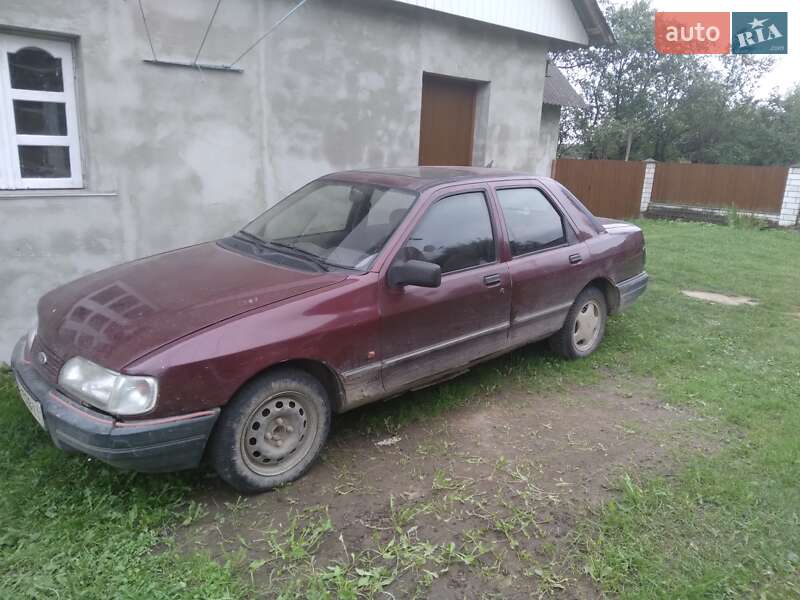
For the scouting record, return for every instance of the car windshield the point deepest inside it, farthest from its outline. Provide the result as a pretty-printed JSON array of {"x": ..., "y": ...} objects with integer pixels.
[{"x": 338, "y": 224}]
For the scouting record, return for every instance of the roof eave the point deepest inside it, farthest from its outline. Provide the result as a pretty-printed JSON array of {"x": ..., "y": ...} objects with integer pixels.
[
  {"x": 594, "y": 22},
  {"x": 582, "y": 105}
]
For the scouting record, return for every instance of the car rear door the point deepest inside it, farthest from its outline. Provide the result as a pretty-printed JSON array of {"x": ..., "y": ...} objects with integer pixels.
[
  {"x": 427, "y": 332},
  {"x": 548, "y": 262}
]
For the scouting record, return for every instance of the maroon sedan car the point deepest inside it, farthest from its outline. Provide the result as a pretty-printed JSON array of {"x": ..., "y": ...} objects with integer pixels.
[{"x": 359, "y": 286}]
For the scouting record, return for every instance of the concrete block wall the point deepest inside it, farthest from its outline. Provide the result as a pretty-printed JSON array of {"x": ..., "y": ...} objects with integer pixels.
[
  {"x": 175, "y": 156},
  {"x": 790, "y": 210}
]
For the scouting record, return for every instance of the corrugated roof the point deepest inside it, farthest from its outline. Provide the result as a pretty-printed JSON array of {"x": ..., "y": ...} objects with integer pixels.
[{"x": 558, "y": 91}]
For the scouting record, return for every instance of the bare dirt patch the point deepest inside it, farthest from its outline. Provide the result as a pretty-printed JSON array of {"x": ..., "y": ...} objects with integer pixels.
[
  {"x": 477, "y": 502},
  {"x": 720, "y": 298}
]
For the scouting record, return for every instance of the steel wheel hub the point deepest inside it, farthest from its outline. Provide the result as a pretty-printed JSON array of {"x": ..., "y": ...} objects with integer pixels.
[
  {"x": 587, "y": 326},
  {"x": 275, "y": 438}
]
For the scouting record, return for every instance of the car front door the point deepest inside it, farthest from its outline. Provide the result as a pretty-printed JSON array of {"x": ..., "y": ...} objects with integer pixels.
[
  {"x": 546, "y": 262},
  {"x": 428, "y": 332}
]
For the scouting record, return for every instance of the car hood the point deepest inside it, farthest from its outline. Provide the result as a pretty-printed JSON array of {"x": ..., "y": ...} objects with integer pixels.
[{"x": 118, "y": 315}]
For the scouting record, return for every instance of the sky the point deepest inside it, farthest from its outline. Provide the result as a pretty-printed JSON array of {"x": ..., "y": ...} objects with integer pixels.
[{"x": 786, "y": 72}]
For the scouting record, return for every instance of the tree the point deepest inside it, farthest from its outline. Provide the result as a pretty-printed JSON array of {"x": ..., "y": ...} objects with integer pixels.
[{"x": 671, "y": 107}]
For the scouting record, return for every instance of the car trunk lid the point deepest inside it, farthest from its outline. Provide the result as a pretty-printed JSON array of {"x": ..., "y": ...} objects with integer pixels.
[{"x": 615, "y": 226}]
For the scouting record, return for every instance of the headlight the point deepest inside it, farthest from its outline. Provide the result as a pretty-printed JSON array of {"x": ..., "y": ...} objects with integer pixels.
[{"x": 108, "y": 390}]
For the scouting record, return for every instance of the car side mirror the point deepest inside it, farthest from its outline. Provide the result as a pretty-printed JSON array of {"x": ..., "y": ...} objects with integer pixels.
[{"x": 415, "y": 272}]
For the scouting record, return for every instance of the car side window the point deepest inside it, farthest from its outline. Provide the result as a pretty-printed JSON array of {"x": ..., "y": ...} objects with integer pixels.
[
  {"x": 533, "y": 223},
  {"x": 455, "y": 233}
]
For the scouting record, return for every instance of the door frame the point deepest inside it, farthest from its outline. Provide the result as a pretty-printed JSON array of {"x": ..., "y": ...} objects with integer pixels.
[
  {"x": 500, "y": 263},
  {"x": 550, "y": 319}
]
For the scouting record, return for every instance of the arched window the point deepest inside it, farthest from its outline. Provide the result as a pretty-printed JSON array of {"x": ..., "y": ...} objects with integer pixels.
[
  {"x": 35, "y": 69},
  {"x": 38, "y": 115}
]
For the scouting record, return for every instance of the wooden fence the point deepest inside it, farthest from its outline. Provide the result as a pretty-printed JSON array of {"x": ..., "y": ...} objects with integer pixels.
[
  {"x": 755, "y": 189},
  {"x": 609, "y": 188},
  {"x": 614, "y": 188}
]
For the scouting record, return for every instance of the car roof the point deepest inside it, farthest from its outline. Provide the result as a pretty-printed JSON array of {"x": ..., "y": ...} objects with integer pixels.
[{"x": 419, "y": 178}]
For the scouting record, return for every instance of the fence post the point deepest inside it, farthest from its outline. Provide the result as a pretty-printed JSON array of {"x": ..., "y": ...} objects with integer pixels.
[
  {"x": 790, "y": 209},
  {"x": 647, "y": 185}
]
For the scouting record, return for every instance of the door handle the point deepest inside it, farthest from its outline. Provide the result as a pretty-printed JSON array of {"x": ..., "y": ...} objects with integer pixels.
[
  {"x": 491, "y": 280},
  {"x": 574, "y": 259}
]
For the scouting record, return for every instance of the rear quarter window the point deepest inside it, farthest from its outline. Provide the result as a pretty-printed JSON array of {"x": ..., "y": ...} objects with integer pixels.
[{"x": 580, "y": 207}]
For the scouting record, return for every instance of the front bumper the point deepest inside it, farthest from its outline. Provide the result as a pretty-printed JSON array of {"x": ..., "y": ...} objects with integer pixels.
[
  {"x": 149, "y": 446},
  {"x": 631, "y": 289}
]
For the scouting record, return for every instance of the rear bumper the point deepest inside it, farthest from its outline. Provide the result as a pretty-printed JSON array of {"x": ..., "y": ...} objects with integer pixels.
[
  {"x": 149, "y": 446},
  {"x": 631, "y": 289}
]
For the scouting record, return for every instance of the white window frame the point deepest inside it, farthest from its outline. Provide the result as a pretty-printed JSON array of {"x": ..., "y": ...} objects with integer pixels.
[{"x": 10, "y": 174}]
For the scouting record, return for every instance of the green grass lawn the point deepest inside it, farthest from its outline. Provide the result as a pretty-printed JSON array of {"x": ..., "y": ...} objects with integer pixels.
[
  {"x": 71, "y": 528},
  {"x": 726, "y": 525}
]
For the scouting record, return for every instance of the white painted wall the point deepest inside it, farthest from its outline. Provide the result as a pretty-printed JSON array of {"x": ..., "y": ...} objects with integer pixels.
[{"x": 551, "y": 18}]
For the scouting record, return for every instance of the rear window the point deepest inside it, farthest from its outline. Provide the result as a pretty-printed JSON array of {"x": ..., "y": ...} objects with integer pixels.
[{"x": 533, "y": 224}]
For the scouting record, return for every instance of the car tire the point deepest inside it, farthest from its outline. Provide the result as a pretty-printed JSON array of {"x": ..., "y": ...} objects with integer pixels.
[
  {"x": 584, "y": 326},
  {"x": 271, "y": 432}
]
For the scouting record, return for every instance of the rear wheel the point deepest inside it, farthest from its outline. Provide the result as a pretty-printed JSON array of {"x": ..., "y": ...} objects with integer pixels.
[
  {"x": 272, "y": 431},
  {"x": 584, "y": 326}
]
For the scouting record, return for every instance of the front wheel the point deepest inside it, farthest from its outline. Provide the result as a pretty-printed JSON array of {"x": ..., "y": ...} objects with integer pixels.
[
  {"x": 584, "y": 326},
  {"x": 271, "y": 432}
]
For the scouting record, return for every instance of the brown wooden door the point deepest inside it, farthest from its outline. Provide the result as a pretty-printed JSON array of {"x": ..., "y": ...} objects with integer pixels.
[{"x": 447, "y": 124}]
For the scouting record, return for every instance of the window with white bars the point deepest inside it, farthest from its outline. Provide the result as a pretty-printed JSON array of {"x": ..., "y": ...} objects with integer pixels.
[{"x": 39, "y": 146}]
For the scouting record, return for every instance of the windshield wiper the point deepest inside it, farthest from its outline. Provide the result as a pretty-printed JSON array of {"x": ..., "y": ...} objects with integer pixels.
[
  {"x": 261, "y": 244},
  {"x": 291, "y": 250},
  {"x": 302, "y": 254},
  {"x": 315, "y": 257},
  {"x": 249, "y": 237}
]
